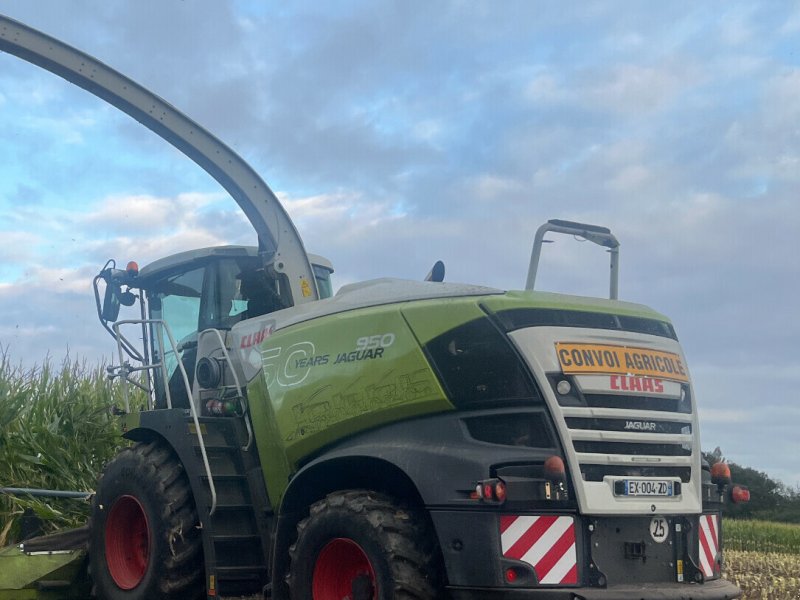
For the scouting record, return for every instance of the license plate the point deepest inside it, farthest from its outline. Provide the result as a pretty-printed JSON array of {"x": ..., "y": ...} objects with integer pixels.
[{"x": 644, "y": 487}]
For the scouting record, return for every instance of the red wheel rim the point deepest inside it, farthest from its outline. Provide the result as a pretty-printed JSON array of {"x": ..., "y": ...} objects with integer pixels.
[
  {"x": 340, "y": 564},
  {"x": 127, "y": 542}
]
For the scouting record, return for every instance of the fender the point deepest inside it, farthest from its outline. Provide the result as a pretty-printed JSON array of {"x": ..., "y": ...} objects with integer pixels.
[
  {"x": 432, "y": 462},
  {"x": 279, "y": 241}
]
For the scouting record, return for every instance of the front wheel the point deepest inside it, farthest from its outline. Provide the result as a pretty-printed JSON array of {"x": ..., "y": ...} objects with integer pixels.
[
  {"x": 144, "y": 541},
  {"x": 363, "y": 546}
]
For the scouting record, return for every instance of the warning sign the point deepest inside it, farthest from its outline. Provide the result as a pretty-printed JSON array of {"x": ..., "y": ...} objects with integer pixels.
[{"x": 576, "y": 359}]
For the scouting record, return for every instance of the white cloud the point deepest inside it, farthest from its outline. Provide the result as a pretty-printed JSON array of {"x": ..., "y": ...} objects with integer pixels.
[
  {"x": 337, "y": 216},
  {"x": 146, "y": 249},
  {"x": 736, "y": 26},
  {"x": 638, "y": 89},
  {"x": 626, "y": 89},
  {"x": 39, "y": 279},
  {"x": 428, "y": 130},
  {"x": 143, "y": 214},
  {"x": 792, "y": 23},
  {"x": 781, "y": 107},
  {"x": 545, "y": 88},
  {"x": 722, "y": 416},
  {"x": 631, "y": 178},
  {"x": 7, "y": 331},
  {"x": 494, "y": 188},
  {"x": 67, "y": 128},
  {"x": 18, "y": 246}
]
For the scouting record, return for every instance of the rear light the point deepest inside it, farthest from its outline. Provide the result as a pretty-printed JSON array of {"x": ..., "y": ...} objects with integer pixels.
[
  {"x": 500, "y": 491},
  {"x": 511, "y": 575},
  {"x": 720, "y": 473},
  {"x": 554, "y": 468},
  {"x": 490, "y": 490},
  {"x": 740, "y": 494}
]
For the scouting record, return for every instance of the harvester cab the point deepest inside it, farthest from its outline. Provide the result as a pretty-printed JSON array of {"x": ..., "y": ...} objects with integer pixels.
[{"x": 188, "y": 305}]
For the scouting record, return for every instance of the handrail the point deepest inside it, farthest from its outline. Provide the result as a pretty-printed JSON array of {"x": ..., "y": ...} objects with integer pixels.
[
  {"x": 192, "y": 409},
  {"x": 240, "y": 394},
  {"x": 601, "y": 236},
  {"x": 125, "y": 369}
]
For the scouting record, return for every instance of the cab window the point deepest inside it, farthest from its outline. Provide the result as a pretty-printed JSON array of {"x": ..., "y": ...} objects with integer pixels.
[{"x": 177, "y": 301}]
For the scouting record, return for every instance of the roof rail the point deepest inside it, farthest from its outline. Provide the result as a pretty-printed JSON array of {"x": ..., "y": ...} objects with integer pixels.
[{"x": 601, "y": 236}]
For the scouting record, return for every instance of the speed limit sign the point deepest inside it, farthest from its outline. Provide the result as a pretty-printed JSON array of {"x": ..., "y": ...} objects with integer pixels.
[{"x": 659, "y": 529}]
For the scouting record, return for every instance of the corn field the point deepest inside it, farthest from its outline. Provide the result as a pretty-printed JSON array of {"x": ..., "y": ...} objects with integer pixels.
[
  {"x": 761, "y": 536},
  {"x": 763, "y": 559},
  {"x": 764, "y": 575},
  {"x": 56, "y": 432}
]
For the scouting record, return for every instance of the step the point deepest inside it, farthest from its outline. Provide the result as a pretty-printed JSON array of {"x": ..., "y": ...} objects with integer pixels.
[
  {"x": 238, "y": 550},
  {"x": 233, "y": 519},
  {"x": 231, "y": 489},
  {"x": 222, "y": 461},
  {"x": 227, "y": 431},
  {"x": 241, "y": 573}
]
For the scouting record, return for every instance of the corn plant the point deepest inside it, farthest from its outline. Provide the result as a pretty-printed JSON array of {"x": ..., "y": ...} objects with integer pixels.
[
  {"x": 56, "y": 432},
  {"x": 761, "y": 536}
]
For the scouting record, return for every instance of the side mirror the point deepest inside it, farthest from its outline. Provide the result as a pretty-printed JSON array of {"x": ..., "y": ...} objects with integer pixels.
[{"x": 111, "y": 302}]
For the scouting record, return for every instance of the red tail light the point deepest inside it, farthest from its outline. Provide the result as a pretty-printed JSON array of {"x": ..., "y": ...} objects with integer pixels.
[
  {"x": 490, "y": 490},
  {"x": 500, "y": 491}
]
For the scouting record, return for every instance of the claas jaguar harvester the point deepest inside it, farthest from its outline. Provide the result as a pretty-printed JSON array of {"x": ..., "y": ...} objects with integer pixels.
[{"x": 399, "y": 439}]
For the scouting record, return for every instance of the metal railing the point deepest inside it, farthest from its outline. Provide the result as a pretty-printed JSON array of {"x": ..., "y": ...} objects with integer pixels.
[
  {"x": 125, "y": 370},
  {"x": 239, "y": 395},
  {"x": 601, "y": 236}
]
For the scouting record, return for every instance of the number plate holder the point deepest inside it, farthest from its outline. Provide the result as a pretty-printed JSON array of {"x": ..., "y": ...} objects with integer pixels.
[{"x": 657, "y": 488}]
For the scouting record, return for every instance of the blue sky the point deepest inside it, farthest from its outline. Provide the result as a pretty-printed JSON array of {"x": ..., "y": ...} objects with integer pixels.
[{"x": 398, "y": 133}]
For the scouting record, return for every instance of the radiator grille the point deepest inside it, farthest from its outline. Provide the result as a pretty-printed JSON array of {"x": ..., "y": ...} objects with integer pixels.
[{"x": 629, "y": 435}]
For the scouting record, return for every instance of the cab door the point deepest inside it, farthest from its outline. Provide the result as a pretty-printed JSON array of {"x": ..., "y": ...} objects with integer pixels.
[{"x": 177, "y": 300}]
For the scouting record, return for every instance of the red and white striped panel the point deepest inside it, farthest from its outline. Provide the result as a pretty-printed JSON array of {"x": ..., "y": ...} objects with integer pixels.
[
  {"x": 545, "y": 542},
  {"x": 709, "y": 543}
]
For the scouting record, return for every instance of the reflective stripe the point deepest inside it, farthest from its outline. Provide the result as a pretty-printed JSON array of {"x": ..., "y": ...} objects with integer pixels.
[
  {"x": 545, "y": 542},
  {"x": 708, "y": 542}
]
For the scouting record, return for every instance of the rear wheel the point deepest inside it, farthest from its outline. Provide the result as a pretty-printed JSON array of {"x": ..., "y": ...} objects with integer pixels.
[
  {"x": 363, "y": 546},
  {"x": 144, "y": 539}
]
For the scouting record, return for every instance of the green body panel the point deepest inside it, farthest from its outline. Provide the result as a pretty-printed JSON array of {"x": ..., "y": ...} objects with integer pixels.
[
  {"x": 332, "y": 377},
  {"x": 550, "y": 300},
  {"x": 431, "y": 318},
  {"x": 338, "y": 375},
  {"x": 21, "y": 574}
]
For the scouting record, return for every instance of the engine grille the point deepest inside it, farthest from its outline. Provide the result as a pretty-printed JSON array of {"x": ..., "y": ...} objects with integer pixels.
[{"x": 629, "y": 435}]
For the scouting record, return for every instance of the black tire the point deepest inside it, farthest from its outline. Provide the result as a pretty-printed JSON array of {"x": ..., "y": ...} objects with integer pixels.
[
  {"x": 145, "y": 542},
  {"x": 350, "y": 527}
]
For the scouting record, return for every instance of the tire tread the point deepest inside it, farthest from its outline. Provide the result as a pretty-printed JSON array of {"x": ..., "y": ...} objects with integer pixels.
[
  {"x": 180, "y": 577},
  {"x": 402, "y": 531}
]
